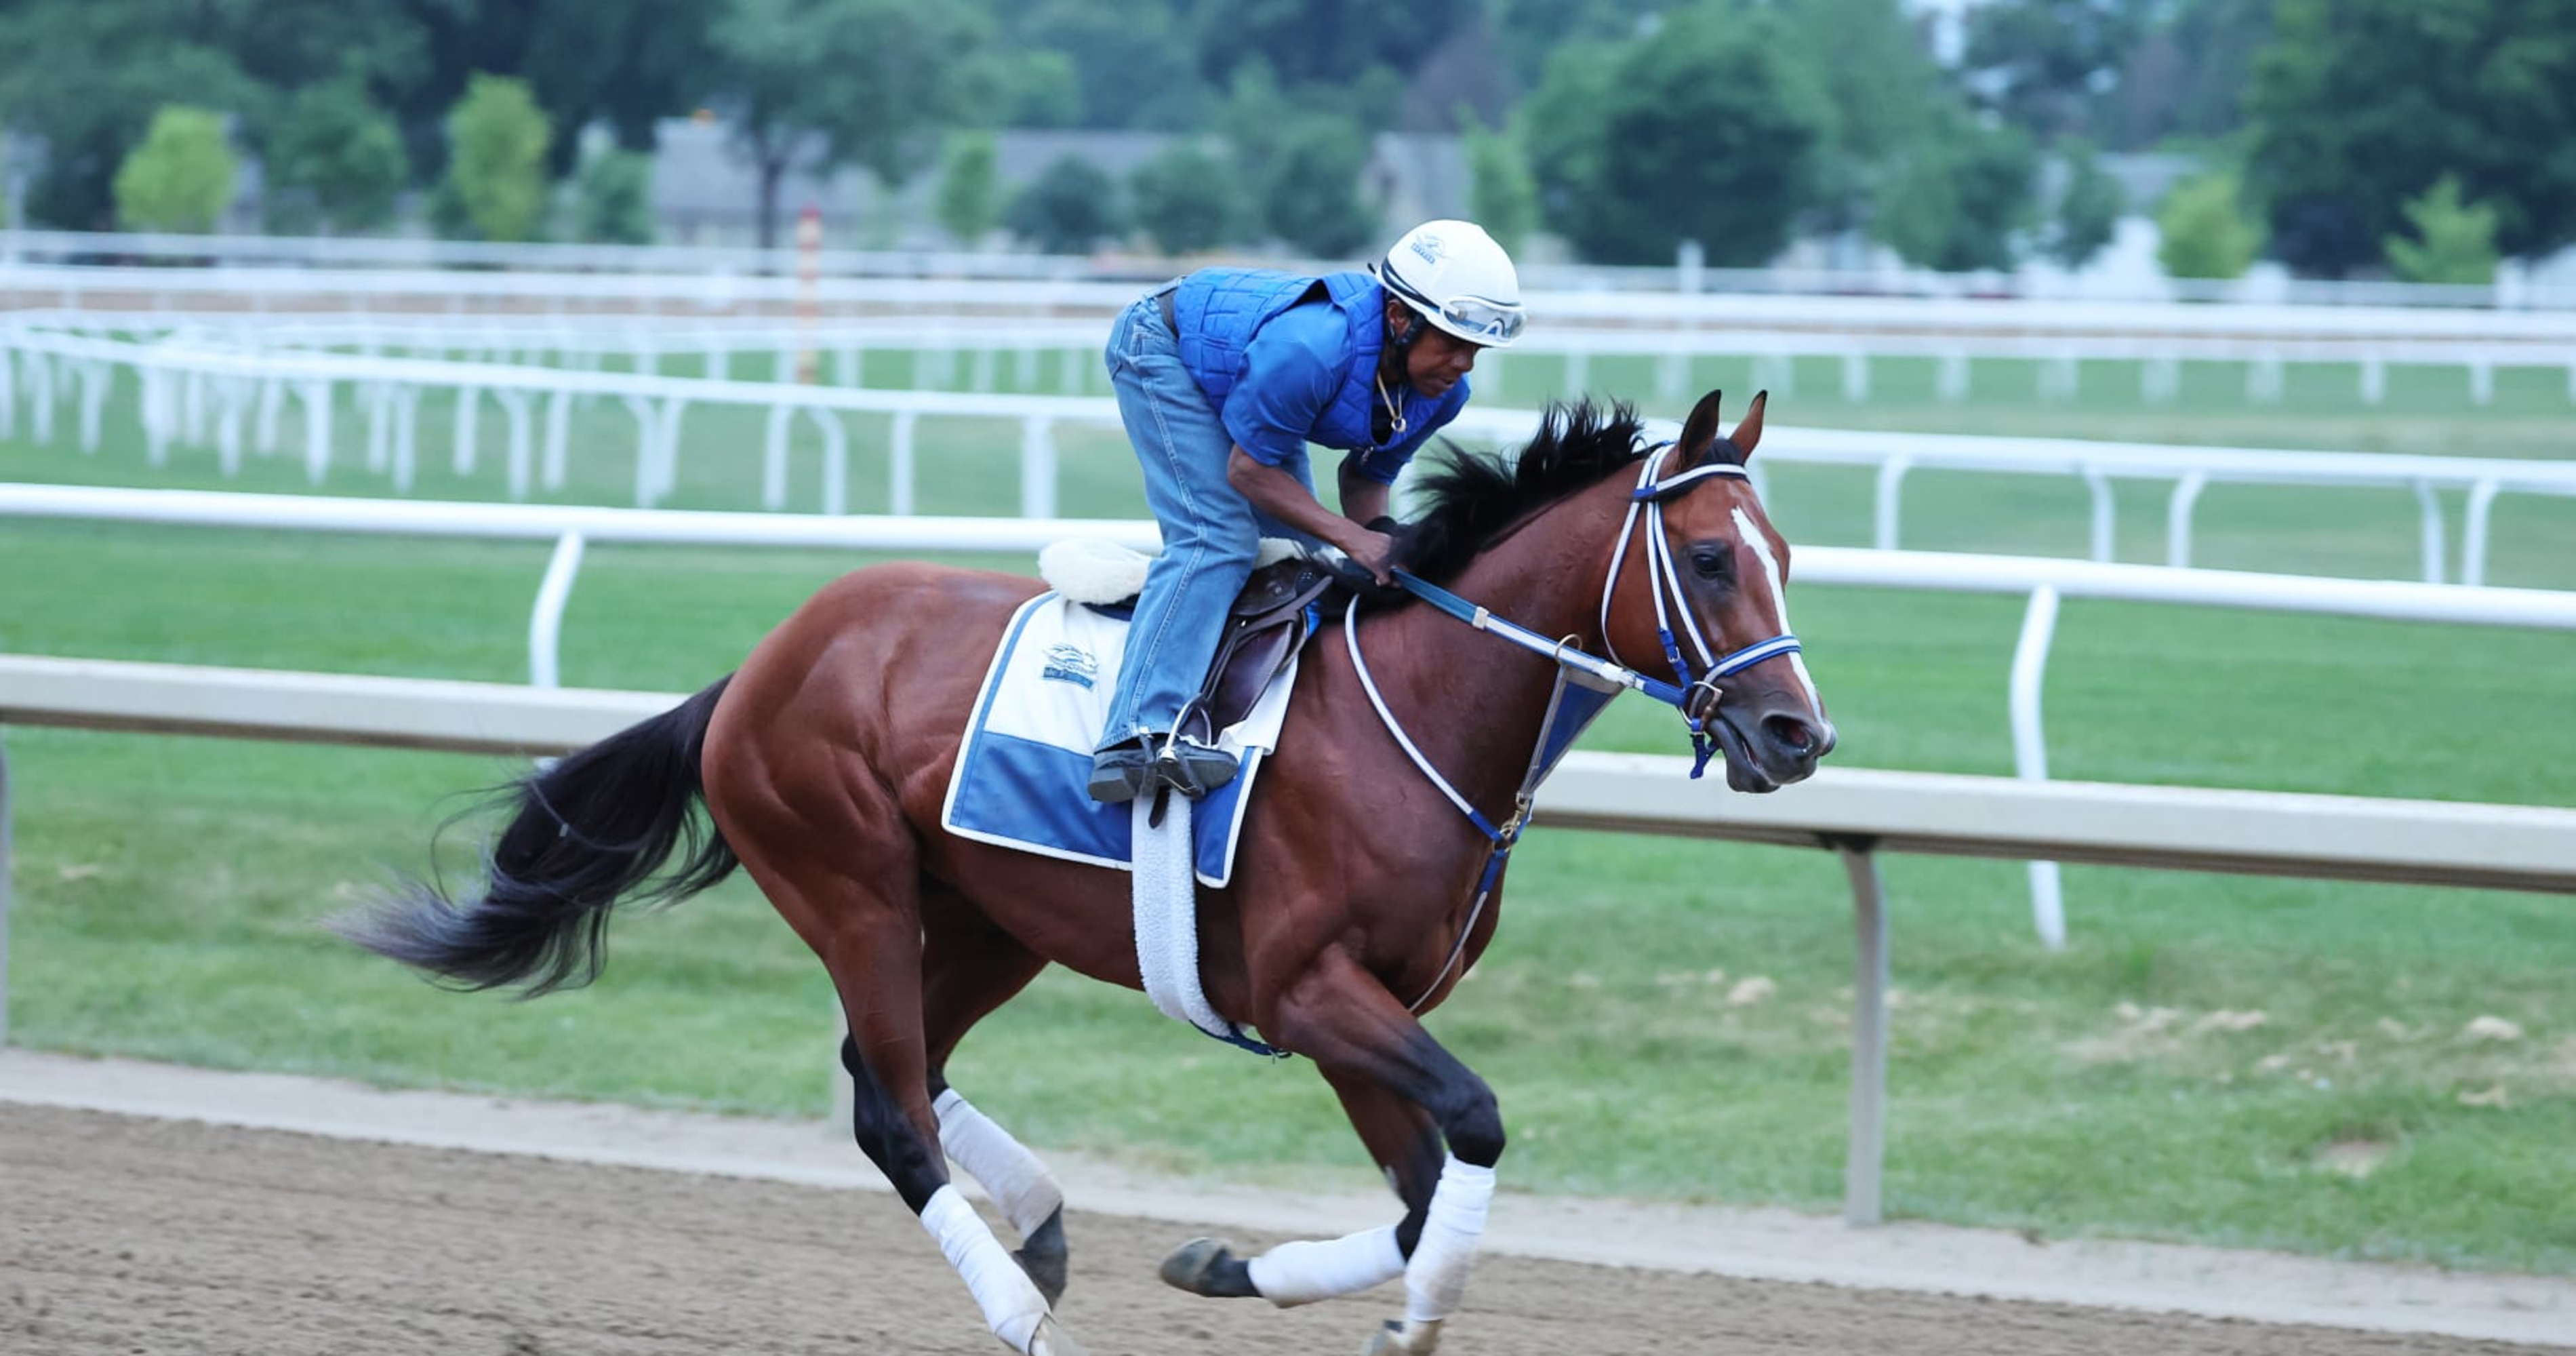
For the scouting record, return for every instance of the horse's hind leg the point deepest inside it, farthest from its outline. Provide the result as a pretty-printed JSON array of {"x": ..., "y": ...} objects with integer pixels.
[
  {"x": 869, "y": 934},
  {"x": 1405, "y": 1142},
  {"x": 970, "y": 968}
]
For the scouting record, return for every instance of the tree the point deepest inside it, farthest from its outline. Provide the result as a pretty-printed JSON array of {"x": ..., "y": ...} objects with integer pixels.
[
  {"x": 2454, "y": 240},
  {"x": 2044, "y": 64},
  {"x": 2360, "y": 105},
  {"x": 1324, "y": 44},
  {"x": 496, "y": 165},
  {"x": 2188, "y": 74},
  {"x": 1960, "y": 198},
  {"x": 106, "y": 67},
  {"x": 1071, "y": 206},
  {"x": 615, "y": 198},
  {"x": 1310, "y": 187},
  {"x": 181, "y": 177},
  {"x": 1502, "y": 195},
  {"x": 1884, "y": 98},
  {"x": 969, "y": 191},
  {"x": 1187, "y": 199},
  {"x": 2088, "y": 208},
  {"x": 816, "y": 84},
  {"x": 332, "y": 156},
  {"x": 1704, "y": 131},
  {"x": 1131, "y": 65},
  {"x": 2206, "y": 235}
]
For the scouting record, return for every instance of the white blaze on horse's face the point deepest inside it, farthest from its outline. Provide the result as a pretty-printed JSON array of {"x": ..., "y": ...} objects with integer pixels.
[{"x": 1773, "y": 583}]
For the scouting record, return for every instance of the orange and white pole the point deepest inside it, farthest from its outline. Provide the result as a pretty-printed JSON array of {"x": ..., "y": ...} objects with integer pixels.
[{"x": 809, "y": 279}]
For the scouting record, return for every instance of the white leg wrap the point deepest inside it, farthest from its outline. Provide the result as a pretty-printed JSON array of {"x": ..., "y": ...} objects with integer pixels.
[
  {"x": 1302, "y": 1273},
  {"x": 1010, "y": 1174},
  {"x": 1437, "y": 1274},
  {"x": 1011, "y": 1303}
]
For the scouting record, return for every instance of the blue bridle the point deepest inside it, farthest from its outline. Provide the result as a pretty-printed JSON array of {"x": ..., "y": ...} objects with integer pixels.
[{"x": 1594, "y": 679}]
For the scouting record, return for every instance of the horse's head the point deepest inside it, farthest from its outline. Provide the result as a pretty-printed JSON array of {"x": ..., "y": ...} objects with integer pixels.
[{"x": 1701, "y": 587}]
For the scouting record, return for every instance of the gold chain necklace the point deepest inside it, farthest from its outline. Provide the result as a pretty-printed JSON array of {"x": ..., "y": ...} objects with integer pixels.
[{"x": 1394, "y": 413}]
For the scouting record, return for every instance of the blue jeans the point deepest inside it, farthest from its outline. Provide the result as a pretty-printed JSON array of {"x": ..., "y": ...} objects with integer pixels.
[{"x": 1211, "y": 533}]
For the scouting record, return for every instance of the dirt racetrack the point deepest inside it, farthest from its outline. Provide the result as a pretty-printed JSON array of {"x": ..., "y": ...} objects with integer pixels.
[{"x": 123, "y": 1234}]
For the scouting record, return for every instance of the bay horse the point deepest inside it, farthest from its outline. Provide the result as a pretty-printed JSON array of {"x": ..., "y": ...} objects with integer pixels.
[{"x": 1368, "y": 879}]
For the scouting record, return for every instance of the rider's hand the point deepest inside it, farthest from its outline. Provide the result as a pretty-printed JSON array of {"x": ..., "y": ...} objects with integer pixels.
[{"x": 1373, "y": 552}]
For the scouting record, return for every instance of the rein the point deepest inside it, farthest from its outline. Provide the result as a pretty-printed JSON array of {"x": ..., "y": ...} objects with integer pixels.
[{"x": 1585, "y": 683}]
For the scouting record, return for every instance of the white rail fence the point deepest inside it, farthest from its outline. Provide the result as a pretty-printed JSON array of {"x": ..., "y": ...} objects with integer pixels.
[
  {"x": 235, "y": 402},
  {"x": 400, "y": 290},
  {"x": 936, "y": 341},
  {"x": 2513, "y": 288},
  {"x": 2044, "y": 583},
  {"x": 1853, "y": 813}
]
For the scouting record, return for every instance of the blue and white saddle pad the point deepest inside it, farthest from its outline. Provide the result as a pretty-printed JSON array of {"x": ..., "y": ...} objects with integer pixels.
[{"x": 1021, "y": 775}]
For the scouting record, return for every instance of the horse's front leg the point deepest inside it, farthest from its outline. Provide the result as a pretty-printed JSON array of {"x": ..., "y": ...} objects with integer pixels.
[
  {"x": 1405, "y": 1143},
  {"x": 1362, "y": 1036}
]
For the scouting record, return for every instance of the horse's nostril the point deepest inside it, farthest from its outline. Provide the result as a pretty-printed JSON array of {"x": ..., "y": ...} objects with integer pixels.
[{"x": 1791, "y": 733}]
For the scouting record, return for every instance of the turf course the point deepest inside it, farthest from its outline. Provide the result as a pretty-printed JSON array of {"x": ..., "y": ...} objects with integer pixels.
[{"x": 2226, "y": 1059}]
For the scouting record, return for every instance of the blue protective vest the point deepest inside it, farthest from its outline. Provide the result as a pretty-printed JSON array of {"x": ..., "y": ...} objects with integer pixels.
[{"x": 1219, "y": 310}]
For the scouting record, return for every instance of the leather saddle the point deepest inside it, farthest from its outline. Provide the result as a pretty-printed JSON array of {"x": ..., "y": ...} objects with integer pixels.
[
  {"x": 1266, "y": 627},
  {"x": 1268, "y": 623}
]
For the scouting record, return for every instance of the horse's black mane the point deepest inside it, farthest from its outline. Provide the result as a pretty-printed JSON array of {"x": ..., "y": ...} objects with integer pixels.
[{"x": 1472, "y": 498}]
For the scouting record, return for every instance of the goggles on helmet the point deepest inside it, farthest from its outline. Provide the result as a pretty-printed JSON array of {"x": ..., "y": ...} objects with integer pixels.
[{"x": 1474, "y": 319}]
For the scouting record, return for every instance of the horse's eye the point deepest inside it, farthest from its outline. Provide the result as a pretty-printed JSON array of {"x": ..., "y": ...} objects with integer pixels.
[{"x": 1710, "y": 562}]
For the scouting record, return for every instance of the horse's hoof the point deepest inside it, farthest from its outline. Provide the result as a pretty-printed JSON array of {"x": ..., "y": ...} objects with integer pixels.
[
  {"x": 1043, "y": 1258},
  {"x": 1051, "y": 1340},
  {"x": 1402, "y": 1339},
  {"x": 1192, "y": 1264}
]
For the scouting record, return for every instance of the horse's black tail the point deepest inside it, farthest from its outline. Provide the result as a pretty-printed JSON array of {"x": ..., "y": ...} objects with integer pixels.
[{"x": 590, "y": 829}]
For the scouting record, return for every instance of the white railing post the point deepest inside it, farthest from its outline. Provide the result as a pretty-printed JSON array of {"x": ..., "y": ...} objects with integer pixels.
[
  {"x": 2473, "y": 533},
  {"x": 836, "y": 461},
  {"x": 899, "y": 474},
  {"x": 1865, "y": 1157},
  {"x": 647, "y": 426},
  {"x": 1037, "y": 468},
  {"x": 405, "y": 400},
  {"x": 515, "y": 407},
  {"x": 2374, "y": 380},
  {"x": 545, "y": 622},
  {"x": 2030, "y": 749},
  {"x": 469, "y": 413},
  {"x": 1951, "y": 382},
  {"x": 2178, "y": 518},
  {"x": 558, "y": 439},
  {"x": 272, "y": 404},
  {"x": 40, "y": 398},
  {"x": 232, "y": 412},
  {"x": 2105, "y": 514},
  {"x": 317, "y": 429},
  {"x": 1855, "y": 377},
  {"x": 1891, "y": 486},
  {"x": 2429, "y": 509},
  {"x": 8, "y": 393},
  {"x": 773, "y": 458},
  {"x": 95, "y": 379},
  {"x": 2482, "y": 380}
]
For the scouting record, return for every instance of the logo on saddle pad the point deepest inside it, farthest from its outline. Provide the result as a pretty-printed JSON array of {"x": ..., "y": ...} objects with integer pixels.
[{"x": 1070, "y": 664}]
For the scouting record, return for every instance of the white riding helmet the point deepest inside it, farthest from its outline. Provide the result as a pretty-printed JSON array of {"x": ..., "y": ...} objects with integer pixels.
[{"x": 1457, "y": 278}]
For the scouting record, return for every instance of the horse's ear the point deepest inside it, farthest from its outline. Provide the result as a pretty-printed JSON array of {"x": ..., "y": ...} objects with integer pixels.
[
  {"x": 1749, "y": 430},
  {"x": 1700, "y": 429}
]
